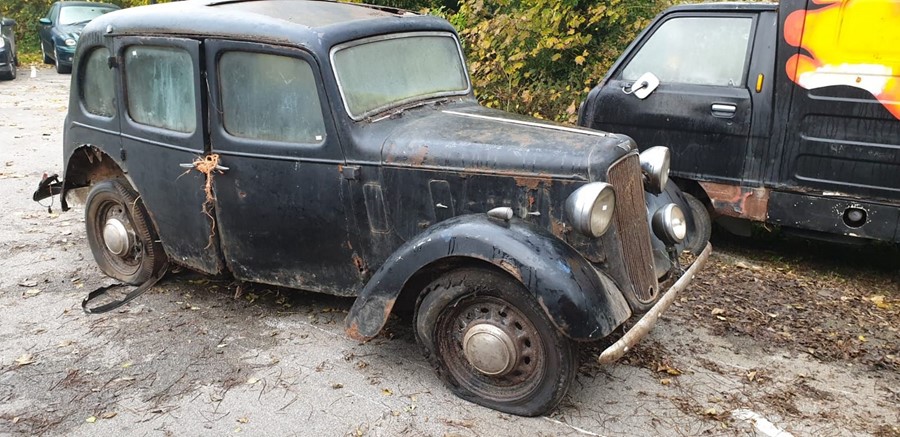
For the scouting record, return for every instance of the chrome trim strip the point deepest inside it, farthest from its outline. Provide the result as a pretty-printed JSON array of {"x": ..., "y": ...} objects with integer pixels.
[
  {"x": 530, "y": 123},
  {"x": 643, "y": 326}
]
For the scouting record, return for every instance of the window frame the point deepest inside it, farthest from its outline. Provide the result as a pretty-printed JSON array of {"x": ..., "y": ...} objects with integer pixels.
[
  {"x": 227, "y": 143},
  {"x": 192, "y": 142},
  {"x": 748, "y": 55},
  {"x": 383, "y": 108}
]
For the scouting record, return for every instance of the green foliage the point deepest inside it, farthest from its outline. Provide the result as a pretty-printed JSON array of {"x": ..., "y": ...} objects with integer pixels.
[
  {"x": 541, "y": 57},
  {"x": 28, "y": 12}
]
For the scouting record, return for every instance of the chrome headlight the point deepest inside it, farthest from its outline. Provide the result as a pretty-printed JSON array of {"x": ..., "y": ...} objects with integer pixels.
[
  {"x": 2, "y": 42},
  {"x": 70, "y": 42},
  {"x": 655, "y": 166},
  {"x": 590, "y": 208},
  {"x": 669, "y": 224}
]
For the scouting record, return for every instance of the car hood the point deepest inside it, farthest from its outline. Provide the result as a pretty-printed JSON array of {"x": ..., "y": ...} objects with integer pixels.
[
  {"x": 472, "y": 138},
  {"x": 70, "y": 30}
]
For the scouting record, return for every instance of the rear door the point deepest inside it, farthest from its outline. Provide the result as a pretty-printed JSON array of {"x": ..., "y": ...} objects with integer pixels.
[
  {"x": 279, "y": 204},
  {"x": 702, "y": 108},
  {"x": 162, "y": 134}
]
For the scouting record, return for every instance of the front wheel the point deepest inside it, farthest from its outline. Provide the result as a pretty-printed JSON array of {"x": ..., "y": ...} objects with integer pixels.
[
  {"x": 697, "y": 241},
  {"x": 120, "y": 234},
  {"x": 492, "y": 344},
  {"x": 61, "y": 69}
]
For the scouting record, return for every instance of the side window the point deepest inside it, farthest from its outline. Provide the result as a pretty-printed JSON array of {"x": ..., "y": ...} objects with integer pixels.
[
  {"x": 98, "y": 84},
  {"x": 159, "y": 84},
  {"x": 695, "y": 50},
  {"x": 270, "y": 97}
]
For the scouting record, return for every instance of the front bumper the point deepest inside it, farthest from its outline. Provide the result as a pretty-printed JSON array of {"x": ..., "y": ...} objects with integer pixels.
[
  {"x": 64, "y": 55},
  {"x": 648, "y": 321}
]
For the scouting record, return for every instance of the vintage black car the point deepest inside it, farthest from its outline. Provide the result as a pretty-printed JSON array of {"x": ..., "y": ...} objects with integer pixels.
[
  {"x": 61, "y": 28},
  {"x": 339, "y": 148},
  {"x": 9, "y": 59}
]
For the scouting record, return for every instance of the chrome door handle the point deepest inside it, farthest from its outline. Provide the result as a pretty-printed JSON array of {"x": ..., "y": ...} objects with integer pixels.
[
  {"x": 724, "y": 108},
  {"x": 186, "y": 165}
]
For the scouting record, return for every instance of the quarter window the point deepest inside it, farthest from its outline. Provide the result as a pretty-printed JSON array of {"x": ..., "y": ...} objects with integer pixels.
[
  {"x": 695, "y": 50},
  {"x": 97, "y": 86},
  {"x": 270, "y": 97},
  {"x": 160, "y": 87}
]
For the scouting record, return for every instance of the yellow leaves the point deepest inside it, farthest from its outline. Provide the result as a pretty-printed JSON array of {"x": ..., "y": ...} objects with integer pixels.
[
  {"x": 91, "y": 419},
  {"x": 25, "y": 360},
  {"x": 664, "y": 367},
  {"x": 880, "y": 302},
  {"x": 579, "y": 60},
  {"x": 387, "y": 392}
]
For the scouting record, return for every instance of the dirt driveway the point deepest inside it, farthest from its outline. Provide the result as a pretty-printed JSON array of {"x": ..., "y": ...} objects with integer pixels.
[{"x": 779, "y": 336}]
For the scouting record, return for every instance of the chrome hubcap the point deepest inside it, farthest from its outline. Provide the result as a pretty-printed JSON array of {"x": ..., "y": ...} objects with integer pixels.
[
  {"x": 489, "y": 349},
  {"x": 117, "y": 238}
]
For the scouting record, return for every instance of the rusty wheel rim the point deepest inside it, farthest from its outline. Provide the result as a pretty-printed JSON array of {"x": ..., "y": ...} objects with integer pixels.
[
  {"x": 523, "y": 376},
  {"x": 129, "y": 262}
]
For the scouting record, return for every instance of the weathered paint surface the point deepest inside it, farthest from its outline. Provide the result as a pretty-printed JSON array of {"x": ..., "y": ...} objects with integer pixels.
[{"x": 737, "y": 201}]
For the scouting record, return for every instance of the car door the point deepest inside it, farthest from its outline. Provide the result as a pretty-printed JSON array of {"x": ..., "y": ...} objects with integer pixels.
[
  {"x": 702, "y": 107},
  {"x": 279, "y": 204},
  {"x": 44, "y": 31},
  {"x": 162, "y": 135}
]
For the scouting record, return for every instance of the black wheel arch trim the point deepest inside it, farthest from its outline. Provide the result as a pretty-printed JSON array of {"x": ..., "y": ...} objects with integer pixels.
[{"x": 583, "y": 303}]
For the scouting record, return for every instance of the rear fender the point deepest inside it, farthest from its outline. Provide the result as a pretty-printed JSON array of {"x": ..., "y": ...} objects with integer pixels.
[
  {"x": 583, "y": 303},
  {"x": 86, "y": 165}
]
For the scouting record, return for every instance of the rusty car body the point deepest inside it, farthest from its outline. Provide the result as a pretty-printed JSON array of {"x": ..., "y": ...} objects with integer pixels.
[{"x": 339, "y": 148}]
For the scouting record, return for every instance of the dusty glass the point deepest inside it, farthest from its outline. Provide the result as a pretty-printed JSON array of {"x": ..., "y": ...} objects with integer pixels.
[
  {"x": 695, "y": 50},
  {"x": 160, "y": 87},
  {"x": 98, "y": 87},
  {"x": 270, "y": 97},
  {"x": 382, "y": 73}
]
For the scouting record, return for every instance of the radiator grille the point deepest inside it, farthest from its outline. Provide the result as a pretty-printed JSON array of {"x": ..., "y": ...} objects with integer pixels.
[{"x": 634, "y": 230}]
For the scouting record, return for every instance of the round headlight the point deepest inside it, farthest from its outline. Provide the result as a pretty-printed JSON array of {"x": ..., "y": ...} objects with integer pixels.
[
  {"x": 2, "y": 42},
  {"x": 655, "y": 166},
  {"x": 590, "y": 208},
  {"x": 669, "y": 224},
  {"x": 70, "y": 42}
]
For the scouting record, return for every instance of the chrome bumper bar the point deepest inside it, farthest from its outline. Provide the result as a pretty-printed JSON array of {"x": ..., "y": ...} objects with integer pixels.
[{"x": 643, "y": 326}]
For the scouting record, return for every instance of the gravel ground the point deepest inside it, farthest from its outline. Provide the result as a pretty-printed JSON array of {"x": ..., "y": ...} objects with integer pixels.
[{"x": 774, "y": 335}]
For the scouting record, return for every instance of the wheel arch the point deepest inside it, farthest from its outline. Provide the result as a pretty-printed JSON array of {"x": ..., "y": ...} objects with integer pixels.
[
  {"x": 582, "y": 302},
  {"x": 88, "y": 165}
]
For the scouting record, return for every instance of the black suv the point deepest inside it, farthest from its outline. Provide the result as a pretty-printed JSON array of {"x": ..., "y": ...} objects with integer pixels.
[
  {"x": 9, "y": 59},
  {"x": 339, "y": 148}
]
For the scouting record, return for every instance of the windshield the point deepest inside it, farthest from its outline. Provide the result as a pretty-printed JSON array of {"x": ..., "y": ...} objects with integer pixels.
[
  {"x": 81, "y": 14},
  {"x": 378, "y": 73}
]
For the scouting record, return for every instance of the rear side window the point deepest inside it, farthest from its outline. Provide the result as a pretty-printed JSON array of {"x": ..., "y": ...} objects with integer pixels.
[
  {"x": 159, "y": 82},
  {"x": 97, "y": 84},
  {"x": 695, "y": 50},
  {"x": 270, "y": 97}
]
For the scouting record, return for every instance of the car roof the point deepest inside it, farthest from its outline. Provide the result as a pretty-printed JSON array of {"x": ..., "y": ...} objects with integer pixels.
[
  {"x": 310, "y": 23},
  {"x": 724, "y": 6},
  {"x": 71, "y": 3}
]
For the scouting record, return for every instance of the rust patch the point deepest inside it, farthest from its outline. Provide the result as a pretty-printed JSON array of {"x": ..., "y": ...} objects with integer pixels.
[
  {"x": 737, "y": 201},
  {"x": 528, "y": 183},
  {"x": 418, "y": 158},
  {"x": 360, "y": 265},
  {"x": 511, "y": 268},
  {"x": 353, "y": 332}
]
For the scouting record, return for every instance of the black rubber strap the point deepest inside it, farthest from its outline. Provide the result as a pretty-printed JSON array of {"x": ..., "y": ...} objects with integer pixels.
[{"x": 129, "y": 297}]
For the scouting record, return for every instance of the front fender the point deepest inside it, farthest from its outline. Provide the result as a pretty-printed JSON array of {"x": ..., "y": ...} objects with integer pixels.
[{"x": 583, "y": 303}]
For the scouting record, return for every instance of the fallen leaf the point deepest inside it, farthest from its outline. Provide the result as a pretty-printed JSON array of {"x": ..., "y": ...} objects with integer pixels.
[
  {"x": 91, "y": 419},
  {"x": 751, "y": 375},
  {"x": 108, "y": 415},
  {"x": 252, "y": 381},
  {"x": 25, "y": 360},
  {"x": 337, "y": 386},
  {"x": 717, "y": 311},
  {"x": 665, "y": 381},
  {"x": 387, "y": 392},
  {"x": 710, "y": 411},
  {"x": 31, "y": 283},
  {"x": 127, "y": 365},
  {"x": 243, "y": 420},
  {"x": 862, "y": 338},
  {"x": 880, "y": 303}
]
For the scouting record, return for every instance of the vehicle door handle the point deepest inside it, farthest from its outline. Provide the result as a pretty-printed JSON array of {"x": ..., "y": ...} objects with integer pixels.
[
  {"x": 219, "y": 168},
  {"x": 723, "y": 110}
]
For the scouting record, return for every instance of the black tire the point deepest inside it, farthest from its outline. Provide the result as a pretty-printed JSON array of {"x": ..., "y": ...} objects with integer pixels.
[
  {"x": 47, "y": 59},
  {"x": 545, "y": 360},
  {"x": 697, "y": 241},
  {"x": 61, "y": 69},
  {"x": 113, "y": 200},
  {"x": 11, "y": 74}
]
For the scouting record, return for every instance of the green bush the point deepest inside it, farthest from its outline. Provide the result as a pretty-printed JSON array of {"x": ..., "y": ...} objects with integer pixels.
[{"x": 541, "y": 57}]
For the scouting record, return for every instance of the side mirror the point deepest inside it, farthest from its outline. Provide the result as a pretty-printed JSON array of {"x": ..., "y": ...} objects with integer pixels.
[
  {"x": 45, "y": 21},
  {"x": 643, "y": 86}
]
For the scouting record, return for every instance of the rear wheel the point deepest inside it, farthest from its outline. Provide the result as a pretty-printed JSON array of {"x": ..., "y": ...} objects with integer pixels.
[
  {"x": 47, "y": 58},
  {"x": 120, "y": 235},
  {"x": 492, "y": 344}
]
